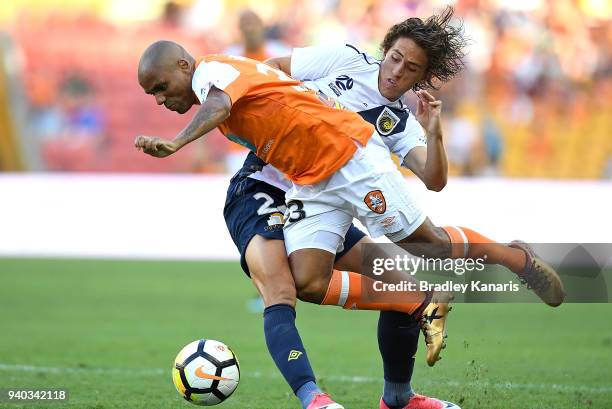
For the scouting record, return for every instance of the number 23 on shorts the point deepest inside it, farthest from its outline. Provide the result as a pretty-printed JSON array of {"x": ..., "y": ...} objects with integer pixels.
[{"x": 295, "y": 211}]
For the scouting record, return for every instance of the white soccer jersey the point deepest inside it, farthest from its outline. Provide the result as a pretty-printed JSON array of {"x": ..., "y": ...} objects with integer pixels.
[{"x": 350, "y": 77}]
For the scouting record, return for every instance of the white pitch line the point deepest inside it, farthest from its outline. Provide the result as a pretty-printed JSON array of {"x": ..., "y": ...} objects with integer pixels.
[{"x": 336, "y": 378}]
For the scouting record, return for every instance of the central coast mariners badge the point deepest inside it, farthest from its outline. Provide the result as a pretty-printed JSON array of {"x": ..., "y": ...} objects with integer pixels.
[
  {"x": 386, "y": 121},
  {"x": 376, "y": 201},
  {"x": 275, "y": 221}
]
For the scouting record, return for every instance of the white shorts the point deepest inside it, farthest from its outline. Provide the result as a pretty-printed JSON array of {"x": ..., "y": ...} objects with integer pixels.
[{"x": 368, "y": 187}]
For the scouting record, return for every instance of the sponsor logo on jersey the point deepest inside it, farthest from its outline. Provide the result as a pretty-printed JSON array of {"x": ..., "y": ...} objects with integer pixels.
[
  {"x": 334, "y": 88},
  {"x": 266, "y": 148},
  {"x": 386, "y": 121},
  {"x": 329, "y": 101},
  {"x": 293, "y": 355},
  {"x": 375, "y": 200}
]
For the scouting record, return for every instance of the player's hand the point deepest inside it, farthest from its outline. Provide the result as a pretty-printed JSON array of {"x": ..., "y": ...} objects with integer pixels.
[
  {"x": 158, "y": 147},
  {"x": 428, "y": 113}
]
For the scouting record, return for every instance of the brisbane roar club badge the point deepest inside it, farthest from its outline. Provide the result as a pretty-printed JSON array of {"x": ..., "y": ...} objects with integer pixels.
[
  {"x": 375, "y": 200},
  {"x": 386, "y": 122}
]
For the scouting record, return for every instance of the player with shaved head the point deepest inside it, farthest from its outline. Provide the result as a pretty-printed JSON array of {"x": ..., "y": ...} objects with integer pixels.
[{"x": 165, "y": 70}]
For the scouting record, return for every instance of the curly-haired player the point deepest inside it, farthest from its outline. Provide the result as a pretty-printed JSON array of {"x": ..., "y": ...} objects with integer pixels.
[{"x": 442, "y": 43}]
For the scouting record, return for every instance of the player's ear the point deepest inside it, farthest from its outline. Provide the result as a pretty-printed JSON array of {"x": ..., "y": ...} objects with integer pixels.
[{"x": 183, "y": 64}]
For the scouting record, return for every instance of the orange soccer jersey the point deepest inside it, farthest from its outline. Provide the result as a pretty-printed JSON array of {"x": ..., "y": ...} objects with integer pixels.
[{"x": 285, "y": 124}]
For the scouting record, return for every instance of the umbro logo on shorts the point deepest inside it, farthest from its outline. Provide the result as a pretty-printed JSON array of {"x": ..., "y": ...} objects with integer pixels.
[{"x": 375, "y": 200}]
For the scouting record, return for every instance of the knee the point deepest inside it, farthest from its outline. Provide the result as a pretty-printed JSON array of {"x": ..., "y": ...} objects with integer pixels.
[
  {"x": 312, "y": 290},
  {"x": 311, "y": 269},
  {"x": 279, "y": 293},
  {"x": 428, "y": 241},
  {"x": 275, "y": 288},
  {"x": 439, "y": 236},
  {"x": 430, "y": 234}
]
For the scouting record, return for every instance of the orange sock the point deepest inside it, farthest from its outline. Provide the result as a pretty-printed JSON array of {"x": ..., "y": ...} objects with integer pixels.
[
  {"x": 357, "y": 292},
  {"x": 466, "y": 243}
]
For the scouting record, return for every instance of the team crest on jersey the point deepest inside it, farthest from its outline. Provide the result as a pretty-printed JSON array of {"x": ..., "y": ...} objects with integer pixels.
[
  {"x": 386, "y": 121},
  {"x": 375, "y": 200},
  {"x": 275, "y": 221}
]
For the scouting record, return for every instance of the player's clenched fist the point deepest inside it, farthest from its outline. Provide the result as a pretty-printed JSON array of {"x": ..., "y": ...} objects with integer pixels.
[{"x": 155, "y": 146}]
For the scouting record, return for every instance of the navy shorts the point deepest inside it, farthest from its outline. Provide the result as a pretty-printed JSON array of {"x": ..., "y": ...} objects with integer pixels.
[{"x": 251, "y": 207}]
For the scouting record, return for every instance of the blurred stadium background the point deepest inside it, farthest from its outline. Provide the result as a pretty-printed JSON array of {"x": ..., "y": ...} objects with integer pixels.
[
  {"x": 528, "y": 130},
  {"x": 535, "y": 100}
]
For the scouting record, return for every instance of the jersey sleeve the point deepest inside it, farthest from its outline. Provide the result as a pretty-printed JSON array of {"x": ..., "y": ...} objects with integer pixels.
[
  {"x": 221, "y": 75},
  {"x": 310, "y": 63},
  {"x": 403, "y": 142}
]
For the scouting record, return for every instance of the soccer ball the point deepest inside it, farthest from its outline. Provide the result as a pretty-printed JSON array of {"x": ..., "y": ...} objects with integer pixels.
[{"x": 206, "y": 372}]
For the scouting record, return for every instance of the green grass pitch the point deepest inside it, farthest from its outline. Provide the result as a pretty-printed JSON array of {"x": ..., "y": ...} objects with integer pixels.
[{"x": 109, "y": 330}]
